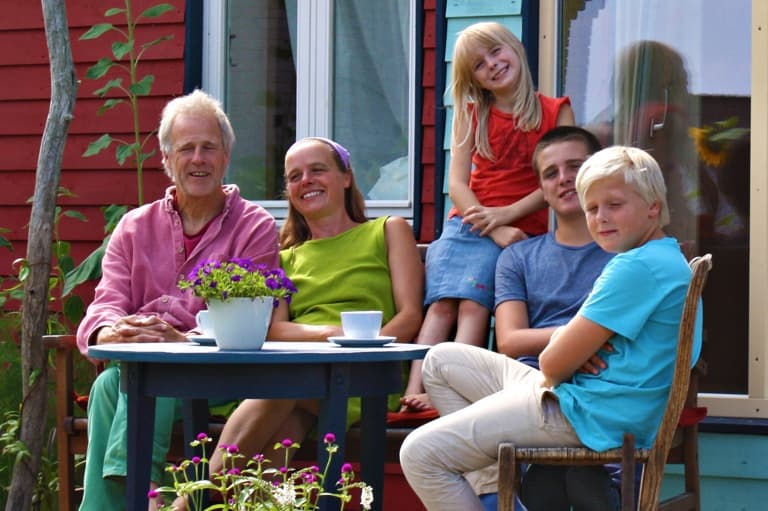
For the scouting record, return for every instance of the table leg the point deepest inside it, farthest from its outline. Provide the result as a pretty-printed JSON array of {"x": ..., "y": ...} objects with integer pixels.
[
  {"x": 141, "y": 421},
  {"x": 373, "y": 431},
  {"x": 333, "y": 419}
]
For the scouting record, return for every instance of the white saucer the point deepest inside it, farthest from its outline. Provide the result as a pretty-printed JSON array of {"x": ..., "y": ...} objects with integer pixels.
[
  {"x": 202, "y": 340},
  {"x": 361, "y": 343}
]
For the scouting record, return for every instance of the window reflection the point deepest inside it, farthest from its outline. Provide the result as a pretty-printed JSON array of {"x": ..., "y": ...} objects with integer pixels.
[
  {"x": 261, "y": 93},
  {"x": 639, "y": 76}
]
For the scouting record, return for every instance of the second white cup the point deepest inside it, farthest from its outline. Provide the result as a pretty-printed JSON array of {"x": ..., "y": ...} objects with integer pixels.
[
  {"x": 204, "y": 323},
  {"x": 361, "y": 324}
]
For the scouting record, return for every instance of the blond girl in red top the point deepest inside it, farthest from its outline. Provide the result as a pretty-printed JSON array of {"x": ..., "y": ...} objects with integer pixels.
[{"x": 498, "y": 119}]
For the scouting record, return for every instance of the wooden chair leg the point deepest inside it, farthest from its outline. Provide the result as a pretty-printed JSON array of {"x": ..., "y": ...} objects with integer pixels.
[
  {"x": 64, "y": 409},
  {"x": 691, "y": 466},
  {"x": 66, "y": 473},
  {"x": 507, "y": 465},
  {"x": 628, "y": 473}
]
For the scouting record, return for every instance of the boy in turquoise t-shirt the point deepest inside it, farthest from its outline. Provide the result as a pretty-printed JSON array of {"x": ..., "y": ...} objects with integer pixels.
[
  {"x": 630, "y": 320},
  {"x": 635, "y": 306}
]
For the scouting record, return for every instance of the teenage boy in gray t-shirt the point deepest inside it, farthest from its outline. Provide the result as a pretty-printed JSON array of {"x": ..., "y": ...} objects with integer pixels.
[{"x": 540, "y": 285}]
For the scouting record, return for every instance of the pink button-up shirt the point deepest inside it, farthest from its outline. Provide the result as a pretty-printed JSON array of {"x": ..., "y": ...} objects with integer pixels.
[{"x": 145, "y": 259}]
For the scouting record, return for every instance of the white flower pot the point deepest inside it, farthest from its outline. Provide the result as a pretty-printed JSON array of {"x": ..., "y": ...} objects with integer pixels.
[{"x": 241, "y": 323}]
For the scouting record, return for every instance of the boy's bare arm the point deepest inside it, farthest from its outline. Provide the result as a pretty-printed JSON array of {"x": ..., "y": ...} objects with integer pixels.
[
  {"x": 514, "y": 336},
  {"x": 570, "y": 347}
]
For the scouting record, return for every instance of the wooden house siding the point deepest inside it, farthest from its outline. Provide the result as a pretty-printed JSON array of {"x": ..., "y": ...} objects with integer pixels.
[
  {"x": 428, "y": 121},
  {"x": 460, "y": 15},
  {"x": 24, "y": 102}
]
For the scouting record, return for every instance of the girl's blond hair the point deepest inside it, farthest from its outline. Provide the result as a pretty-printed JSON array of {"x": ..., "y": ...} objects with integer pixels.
[{"x": 466, "y": 90}]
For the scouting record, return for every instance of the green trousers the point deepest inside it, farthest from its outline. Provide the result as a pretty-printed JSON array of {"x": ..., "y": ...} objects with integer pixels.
[{"x": 106, "y": 457}]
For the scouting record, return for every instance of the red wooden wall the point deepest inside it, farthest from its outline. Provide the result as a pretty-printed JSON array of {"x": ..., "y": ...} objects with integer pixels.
[
  {"x": 429, "y": 138},
  {"x": 24, "y": 101},
  {"x": 99, "y": 180}
]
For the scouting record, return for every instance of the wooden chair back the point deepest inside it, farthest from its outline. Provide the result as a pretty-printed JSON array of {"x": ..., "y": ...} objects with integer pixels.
[{"x": 654, "y": 458}]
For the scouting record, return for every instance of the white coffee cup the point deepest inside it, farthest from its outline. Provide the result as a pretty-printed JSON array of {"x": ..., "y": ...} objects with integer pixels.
[
  {"x": 204, "y": 323},
  {"x": 361, "y": 324}
]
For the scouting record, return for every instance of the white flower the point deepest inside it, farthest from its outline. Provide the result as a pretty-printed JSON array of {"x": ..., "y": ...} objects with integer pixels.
[
  {"x": 366, "y": 497},
  {"x": 285, "y": 494}
]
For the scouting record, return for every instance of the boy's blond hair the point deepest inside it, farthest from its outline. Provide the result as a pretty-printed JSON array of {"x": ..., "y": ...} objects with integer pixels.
[
  {"x": 466, "y": 90},
  {"x": 638, "y": 168}
]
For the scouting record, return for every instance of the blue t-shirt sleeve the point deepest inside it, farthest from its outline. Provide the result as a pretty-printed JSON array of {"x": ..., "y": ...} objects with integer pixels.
[
  {"x": 626, "y": 284},
  {"x": 510, "y": 280}
]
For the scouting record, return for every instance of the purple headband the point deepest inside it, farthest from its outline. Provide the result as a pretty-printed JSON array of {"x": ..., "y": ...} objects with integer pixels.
[{"x": 340, "y": 149}]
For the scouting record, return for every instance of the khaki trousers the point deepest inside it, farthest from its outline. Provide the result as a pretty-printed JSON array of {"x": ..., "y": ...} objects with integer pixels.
[{"x": 484, "y": 398}]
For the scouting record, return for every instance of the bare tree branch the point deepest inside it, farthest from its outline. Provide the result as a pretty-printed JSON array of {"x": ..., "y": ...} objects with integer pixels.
[{"x": 35, "y": 303}]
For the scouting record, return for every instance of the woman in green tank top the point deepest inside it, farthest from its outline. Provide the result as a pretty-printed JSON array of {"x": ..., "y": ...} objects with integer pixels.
[{"x": 338, "y": 260}]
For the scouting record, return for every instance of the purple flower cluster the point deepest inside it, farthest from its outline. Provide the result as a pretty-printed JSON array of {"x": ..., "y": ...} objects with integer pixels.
[
  {"x": 237, "y": 277},
  {"x": 254, "y": 486}
]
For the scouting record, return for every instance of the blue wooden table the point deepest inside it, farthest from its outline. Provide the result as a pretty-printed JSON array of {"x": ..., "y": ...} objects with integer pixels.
[{"x": 280, "y": 370}]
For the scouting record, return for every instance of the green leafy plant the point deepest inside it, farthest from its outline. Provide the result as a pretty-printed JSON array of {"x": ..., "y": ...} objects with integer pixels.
[
  {"x": 13, "y": 449},
  {"x": 221, "y": 280},
  {"x": 259, "y": 487},
  {"x": 125, "y": 57},
  {"x": 72, "y": 306},
  {"x": 90, "y": 268},
  {"x": 4, "y": 243}
]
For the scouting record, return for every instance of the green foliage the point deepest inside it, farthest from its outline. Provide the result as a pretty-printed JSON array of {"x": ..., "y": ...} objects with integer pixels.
[
  {"x": 259, "y": 486},
  {"x": 4, "y": 243},
  {"x": 90, "y": 268},
  {"x": 13, "y": 450},
  {"x": 62, "y": 265},
  {"x": 125, "y": 59}
]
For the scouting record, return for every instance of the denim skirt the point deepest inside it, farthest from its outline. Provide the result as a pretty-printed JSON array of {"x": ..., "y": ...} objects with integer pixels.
[{"x": 461, "y": 264}]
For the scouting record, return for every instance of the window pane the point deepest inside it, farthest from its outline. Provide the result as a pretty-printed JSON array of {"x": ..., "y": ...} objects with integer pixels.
[
  {"x": 674, "y": 78},
  {"x": 261, "y": 93},
  {"x": 370, "y": 98}
]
